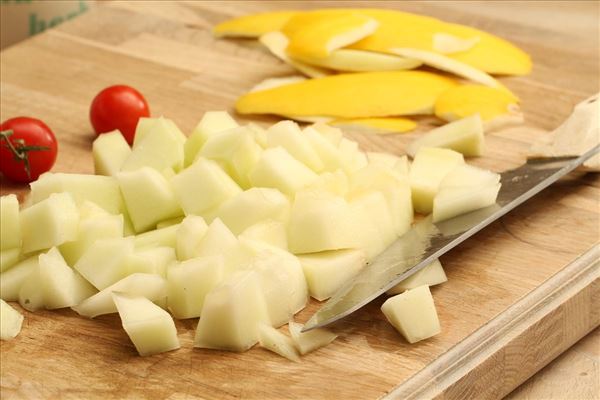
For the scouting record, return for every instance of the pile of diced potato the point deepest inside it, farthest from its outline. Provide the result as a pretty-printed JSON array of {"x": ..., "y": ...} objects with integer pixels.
[{"x": 237, "y": 225}]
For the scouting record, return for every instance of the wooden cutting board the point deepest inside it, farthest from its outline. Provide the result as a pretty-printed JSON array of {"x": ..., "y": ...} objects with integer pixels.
[{"x": 519, "y": 293}]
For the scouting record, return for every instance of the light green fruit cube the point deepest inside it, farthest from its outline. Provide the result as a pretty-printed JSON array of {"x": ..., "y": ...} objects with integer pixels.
[
  {"x": 13, "y": 279},
  {"x": 288, "y": 135},
  {"x": 9, "y": 258},
  {"x": 212, "y": 122},
  {"x": 413, "y": 314},
  {"x": 105, "y": 261},
  {"x": 189, "y": 282},
  {"x": 218, "y": 240},
  {"x": 328, "y": 152},
  {"x": 278, "y": 169},
  {"x": 327, "y": 271},
  {"x": 151, "y": 286},
  {"x": 102, "y": 190},
  {"x": 332, "y": 134},
  {"x": 10, "y": 321},
  {"x": 267, "y": 231},
  {"x": 110, "y": 150},
  {"x": 277, "y": 342},
  {"x": 149, "y": 198},
  {"x": 469, "y": 176},
  {"x": 31, "y": 295},
  {"x": 160, "y": 147},
  {"x": 10, "y": 226},
  {"x": 264, "y": 203},
  {"x": 51, "y": 222},
  {"x": 203, "y": 186},
  {"x": 309, "y": 341},
  {"x": 170, "y": 222},
  {"x": 431, "y": 275},
  {"x": 151, "y": 261},
  {"x": 232, "y": 313},
  {"x": 92, "y": 229},
  {"x": 336, "y": 183},
  {"x": 464, "y": 136},
  {"x": 61, "y": 286},
  {"x": 451, "y": 202},
  {"x": 150, "y": 328},
  {"x": 259, "y": 134},
  {"x": 372, "y": 211},
  {"x": 189, "y": 235},
  {"x": 158, "y": 237},
  {"x": 320, "y": 221},
  {"x": 352, "y": 157},
  {"x": 427, "y": 171},
  {"x": 279, "y": 267},
  {"x": 236, "y": 150}
]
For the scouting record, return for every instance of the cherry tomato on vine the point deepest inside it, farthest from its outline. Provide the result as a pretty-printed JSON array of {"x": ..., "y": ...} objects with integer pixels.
[
  {"x": 118, "y": 107},
  {"x": 27, "y": 149}
]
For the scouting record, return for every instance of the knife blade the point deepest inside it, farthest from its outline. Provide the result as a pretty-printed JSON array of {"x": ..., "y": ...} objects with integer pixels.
[{"x": 427, "y": 241}]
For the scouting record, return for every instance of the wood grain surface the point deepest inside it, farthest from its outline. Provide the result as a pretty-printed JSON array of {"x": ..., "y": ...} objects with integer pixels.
[{"x": 519, "y": 293}]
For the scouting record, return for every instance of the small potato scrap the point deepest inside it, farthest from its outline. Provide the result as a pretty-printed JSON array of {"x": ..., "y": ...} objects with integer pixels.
[{"x": 253, "y": 26}]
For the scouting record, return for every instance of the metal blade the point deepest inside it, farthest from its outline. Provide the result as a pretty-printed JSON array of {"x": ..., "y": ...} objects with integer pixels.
[{"x": 426, "y": 241}]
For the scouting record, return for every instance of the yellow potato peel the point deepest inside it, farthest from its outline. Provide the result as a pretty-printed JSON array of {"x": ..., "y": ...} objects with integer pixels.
[
  {"x": 253, "y": 26},
  {"x": 356, "y": 95},
  {"x": 492, "y": 104},
  {"x": 320, "y": 38},
  {"x": 349, "y": 60},
  {"x": 381, "y": 126},
  {"x": 277, "y": 42}
]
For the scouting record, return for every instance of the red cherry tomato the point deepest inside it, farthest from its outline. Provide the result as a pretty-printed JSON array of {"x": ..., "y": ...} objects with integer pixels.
[
  {"x": 27, "y": 149},
  {"x": 118, "y": 107}
]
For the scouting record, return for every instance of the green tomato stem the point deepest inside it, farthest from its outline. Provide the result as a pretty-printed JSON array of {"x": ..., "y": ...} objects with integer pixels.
[{"x": 20, "y": 152}]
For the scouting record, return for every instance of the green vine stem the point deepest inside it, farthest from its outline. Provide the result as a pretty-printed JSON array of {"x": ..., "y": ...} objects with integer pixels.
[{"x": 20, "y": 150}]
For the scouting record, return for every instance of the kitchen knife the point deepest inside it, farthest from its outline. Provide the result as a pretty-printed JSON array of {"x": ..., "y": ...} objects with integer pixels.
[{"x": 427, "y": 241}]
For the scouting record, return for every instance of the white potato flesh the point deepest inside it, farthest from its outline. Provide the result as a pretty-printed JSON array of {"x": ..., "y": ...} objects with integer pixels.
[
  {"x": 13, "y": 279},
  {"x": 464, "y": 136},
  {"x": 10, "y": 321},
  {"x": 101, "y": 190},
  {"x": 327, "y": 271},
  {"x": 51, "y": 222},
  {"x": 149, "y": 197},
  {"x": 236, "y": 150},
  {"x": 267, "y": 231},
  {"x": 320, "y": 221},
  {"x": 61, "y": 286},
  {"x": 413, "y": 314},
  {"x": 151, "y": 286},
  {"x": 9, "y": 258},
  {"x": 151, "y": 261},
  {"x": 110, "y": 150},
  {"x": 150, "y": 328},
  {"x": 427, "y": 171},
  {"x": 232, "y": 313},
  {"x": 309, "y": 341},
  {"x": 278, "y": 169},
  {"x": 10, "y": 226},
  {"x": 451, "y": 202},
  {"x": 330, "y": 155},
  {"x": 158, "y": 237},
  {"x": 431, "y": 275},
  {"x": 189, "y": 235},
  {"x": 252, "y": 206},
  {"x": 288, "y": 135},
  {"x": 277, "y": 342},
  {"x": 159, "y": 148},
  {"x": 105, "y": 261},
  {"x": 189, "y": 282},
  {"x": 203, "y": 186},
  {"x": 212, "y": 122},
  {"x": 91, "y": 229}
]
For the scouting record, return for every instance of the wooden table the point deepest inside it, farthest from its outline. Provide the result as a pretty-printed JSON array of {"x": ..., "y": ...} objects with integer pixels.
[{"x": 519, "y": 293}]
